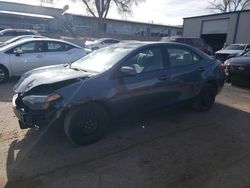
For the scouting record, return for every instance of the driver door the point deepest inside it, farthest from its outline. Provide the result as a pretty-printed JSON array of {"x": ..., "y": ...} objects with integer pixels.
[
  {"x": 146, "y": 89},
  {"x": 30, "y": 56}
]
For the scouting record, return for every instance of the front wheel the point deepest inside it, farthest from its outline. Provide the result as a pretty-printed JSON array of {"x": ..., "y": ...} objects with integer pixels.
[
  {"x": 205, "y": 99},
  {"x": 86, "y": 125}
]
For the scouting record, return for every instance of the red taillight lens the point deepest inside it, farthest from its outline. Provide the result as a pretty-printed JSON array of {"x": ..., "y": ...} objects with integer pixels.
[{"x": 222, "y": 66}]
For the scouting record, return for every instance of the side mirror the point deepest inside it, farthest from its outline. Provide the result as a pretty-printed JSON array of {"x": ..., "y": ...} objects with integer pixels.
[
  {"x": 128, "y": 71},
  {"x": 18, "y": 52}
]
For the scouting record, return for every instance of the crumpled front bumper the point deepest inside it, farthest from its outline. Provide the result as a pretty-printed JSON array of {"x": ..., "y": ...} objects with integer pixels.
[{"x": 30, "y": 118}]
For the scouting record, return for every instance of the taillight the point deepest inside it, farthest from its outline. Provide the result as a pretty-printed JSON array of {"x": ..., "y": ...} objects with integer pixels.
[{"x": 222, "y": 66}]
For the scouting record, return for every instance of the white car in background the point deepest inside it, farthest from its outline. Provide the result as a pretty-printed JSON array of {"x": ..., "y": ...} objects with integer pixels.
[
  {"x": 100, "y": 43},
  {"x": 24, "y": 55},
  {"x": 22, "y": 37},
  {"x": 7, "y": 34}
]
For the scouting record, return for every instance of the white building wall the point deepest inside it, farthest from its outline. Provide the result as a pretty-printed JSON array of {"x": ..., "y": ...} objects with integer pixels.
[
  {"x": 193, "y": 26},
  {"x": 243, "y": 33}
]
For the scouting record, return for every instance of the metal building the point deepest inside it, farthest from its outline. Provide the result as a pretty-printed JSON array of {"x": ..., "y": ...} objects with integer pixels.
[
  {"x": 53, "y": 20},
  {"x": 218, "y": 29}
]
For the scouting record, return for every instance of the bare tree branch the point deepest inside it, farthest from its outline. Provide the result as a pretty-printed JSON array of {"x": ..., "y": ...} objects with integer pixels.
[
  {"x": 229, "y": 5},
  {"x": 88, "y": 7},
  {"x": 100, "y": 8}
]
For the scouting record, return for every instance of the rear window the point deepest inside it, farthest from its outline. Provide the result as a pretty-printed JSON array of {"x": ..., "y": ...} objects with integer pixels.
[
  {"x": 9, "y": 33},
  {"x": 199, "y": 42},
  {"x": 189, "y": 42}
]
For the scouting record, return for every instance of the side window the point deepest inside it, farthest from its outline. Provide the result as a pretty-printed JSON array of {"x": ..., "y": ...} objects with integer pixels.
[
  {"x": 107, "y": 41},
  {"x": 180, "y": 40},
  {"x": 24, "y": 33},
  {"x": 196, "y": 58},
  {"x": 189, "y": 42},
  {"x": 199, "y": 42},
  {"x": 31, "y": 47},
  {"x": 147, "y": 60},
  {"x": 113, "y": 41},
  {"x": 58, "y": 47},
  {"x": 182, "y": 57},
  {"x": 9, "y": 33}
]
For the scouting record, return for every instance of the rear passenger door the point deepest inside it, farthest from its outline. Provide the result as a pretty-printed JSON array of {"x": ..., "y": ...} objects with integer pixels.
[
  {"x": 60, "y": 53},
  {"x": 186, "y": 69}
]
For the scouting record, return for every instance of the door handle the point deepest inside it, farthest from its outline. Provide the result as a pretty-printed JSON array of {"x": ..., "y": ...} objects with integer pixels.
[
  {"x": 201, "y": 69},
  {"x": 163, "y": 77}
]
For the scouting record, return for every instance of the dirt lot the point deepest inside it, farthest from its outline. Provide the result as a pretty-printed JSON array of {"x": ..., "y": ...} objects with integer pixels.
[{"x": 170, "y": 148}]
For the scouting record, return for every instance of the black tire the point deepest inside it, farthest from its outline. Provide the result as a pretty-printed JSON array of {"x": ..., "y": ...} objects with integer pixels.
[
  {"x": 87, "y": 124},
  {"x": 4, "y": 74},
  {"x": 205, "y": 100}
]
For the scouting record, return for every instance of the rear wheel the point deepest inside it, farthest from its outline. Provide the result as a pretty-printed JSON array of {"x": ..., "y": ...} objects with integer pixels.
[
  {"x": 87, "y": 124},
  {"x": 4, "y": 75},
  {"x": 205, "y": 99}
]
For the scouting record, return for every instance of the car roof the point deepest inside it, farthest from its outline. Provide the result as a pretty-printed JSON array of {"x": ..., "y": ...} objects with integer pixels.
[
  {"x": 102, "y": 39},
  {"x": 138, "y": 44},
  {"x": 181, "y": 38},
  {"x": 240, "y": 44},
  {"x": 7, "y": 47},
  {"x": 28, "y": 30}
]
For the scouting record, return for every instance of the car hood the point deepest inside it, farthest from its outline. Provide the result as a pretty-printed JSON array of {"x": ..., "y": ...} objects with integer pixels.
[
  {"x": 228, "y": 52},
  {"x": 47, "y": 75},
  {"x": 90, "y": 43},
  {"x": 239, "y": 61}
]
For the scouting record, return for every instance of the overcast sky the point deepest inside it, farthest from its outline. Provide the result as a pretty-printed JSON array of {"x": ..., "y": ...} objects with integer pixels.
[{"x": 168, "y": 12}]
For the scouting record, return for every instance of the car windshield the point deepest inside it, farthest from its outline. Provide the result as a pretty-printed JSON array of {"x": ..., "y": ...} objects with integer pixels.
[
  {"x": 11, "y": 40},
  {"x": 103, "y": 59},
  {"x": 247, "y": 54},
  {"x": 235, "y": 47}
]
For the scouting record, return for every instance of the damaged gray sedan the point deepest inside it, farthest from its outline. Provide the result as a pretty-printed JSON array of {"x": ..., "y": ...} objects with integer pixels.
[{"x": 113, "y": 82}]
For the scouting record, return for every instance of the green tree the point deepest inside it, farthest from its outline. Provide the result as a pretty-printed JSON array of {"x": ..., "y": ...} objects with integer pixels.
[{"x": 229, "y": 5}]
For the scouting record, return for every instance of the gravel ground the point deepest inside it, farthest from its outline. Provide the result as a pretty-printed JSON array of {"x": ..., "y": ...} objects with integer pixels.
[{"x": 169, "y": 148}]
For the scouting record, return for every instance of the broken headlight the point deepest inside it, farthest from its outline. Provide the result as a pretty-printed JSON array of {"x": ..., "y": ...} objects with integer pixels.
[{"x": 40, "y": 102}]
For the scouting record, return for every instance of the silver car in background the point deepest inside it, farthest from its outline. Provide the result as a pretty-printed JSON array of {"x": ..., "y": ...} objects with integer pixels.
[
  {"x": 15, "y": 39},
  {"x": 7, "y": 34},
  {"x": 100, "y": 43},
  {"x": 25, "y": 55}
]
